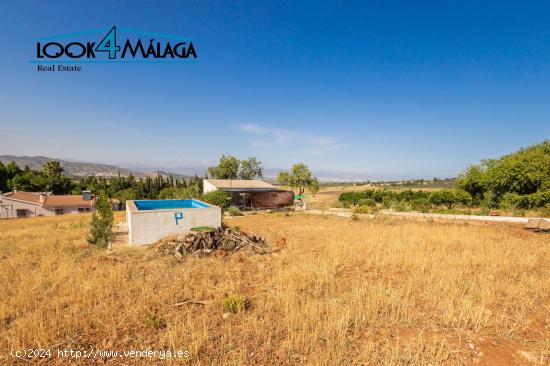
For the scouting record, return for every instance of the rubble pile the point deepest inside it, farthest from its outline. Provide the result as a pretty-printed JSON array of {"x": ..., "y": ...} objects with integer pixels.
[{"x": 209, "y": 241}]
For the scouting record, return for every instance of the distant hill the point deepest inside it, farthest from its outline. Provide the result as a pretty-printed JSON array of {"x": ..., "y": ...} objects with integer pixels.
[{"x": 80, "y": 169}]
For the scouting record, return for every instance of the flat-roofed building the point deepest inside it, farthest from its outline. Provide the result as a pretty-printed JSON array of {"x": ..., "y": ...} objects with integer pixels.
[{"x": 250, "y": 193}]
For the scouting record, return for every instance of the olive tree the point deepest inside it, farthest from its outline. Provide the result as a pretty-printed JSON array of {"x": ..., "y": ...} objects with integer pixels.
[
  {"x": 250, "y": 168},
  {"x": 299, "y": 177},
  {"x": 227, "y": 168}
]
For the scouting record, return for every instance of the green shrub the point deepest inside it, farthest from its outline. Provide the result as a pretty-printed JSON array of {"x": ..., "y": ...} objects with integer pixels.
[
  {"x": 401, "y": 206},
  {"x": 354, "y": 217},
  {"x": 101, "y": 227},
  {"x": 462, "y": 197},
  {"x": 443, "y": 198},
  {"x": 218, "y": 198},
  {"x": 490, "y": 200},
  {"x": 371, "y": 197},
  {"x": 539, "y": 199},
  {"x": 235, "y": 303},
  {"x": 234, "y": 211},
  {"x": 387, "y": 202},
  {"x": 510, "y": 201},
  {"x": 421, "y": 205},
  {"x": 155, "y": 321}
]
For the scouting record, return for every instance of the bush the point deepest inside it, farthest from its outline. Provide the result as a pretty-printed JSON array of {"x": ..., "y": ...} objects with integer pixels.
[
  {"x": 155, "y": 321},
  {"x": 218, "y": 198},
  {"x": 101, "y": 230},
  {"x": 539, "y": 199},
  {"x": 401, "y": 207},
  {"x": 235, "y": 303},
  {"x": 490, "y": 200},
  {"x": 421, "y": 205},
  {"x": 351, "y": 197},
  {"x": 234, "y": 211},
  {"x": 510, "y": 201},
  {"x": 445, "y": 198},
  {"x": 462, "y": 197},
  {"x": 387, "y": 201}
]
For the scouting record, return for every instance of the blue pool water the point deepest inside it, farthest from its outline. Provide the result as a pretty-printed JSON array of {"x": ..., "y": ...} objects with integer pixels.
[{"x": 147, "y": 205}]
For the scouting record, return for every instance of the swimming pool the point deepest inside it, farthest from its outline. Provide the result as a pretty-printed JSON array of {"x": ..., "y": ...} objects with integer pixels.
[
  {"x": 147, "y": 205},
  {"x": 151, "y": 220}
]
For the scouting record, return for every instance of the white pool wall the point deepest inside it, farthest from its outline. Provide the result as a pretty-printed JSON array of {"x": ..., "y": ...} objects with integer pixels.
[{"x": 149, "y": 226}]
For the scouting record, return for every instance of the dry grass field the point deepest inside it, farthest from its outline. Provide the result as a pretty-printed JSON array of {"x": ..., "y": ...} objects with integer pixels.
[{"x": 339, "y": 292}]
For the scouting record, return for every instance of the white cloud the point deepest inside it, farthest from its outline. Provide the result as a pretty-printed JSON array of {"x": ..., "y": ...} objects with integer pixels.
[
  {"x": 312, "y": 144},
  {"x": 253, "y": 128},
  {"x": 278, "y": 134}
]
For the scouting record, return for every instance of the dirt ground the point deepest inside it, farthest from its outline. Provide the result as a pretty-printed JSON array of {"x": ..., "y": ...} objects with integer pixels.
[{"x": 338, "y": 292}]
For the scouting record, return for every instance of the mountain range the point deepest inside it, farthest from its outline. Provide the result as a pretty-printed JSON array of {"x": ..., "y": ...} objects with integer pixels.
[{"x": 81, "y": 169}]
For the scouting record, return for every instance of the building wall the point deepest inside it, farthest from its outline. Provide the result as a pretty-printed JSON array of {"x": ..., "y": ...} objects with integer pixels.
[
  {"x": 8, "y": 209},
  {"x": 148, "y": 227},
  {"x": 208, "y": 187}
]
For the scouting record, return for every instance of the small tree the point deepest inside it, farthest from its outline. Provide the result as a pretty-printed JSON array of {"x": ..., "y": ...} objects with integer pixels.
[
  {"x": 52, "y": 168},
  {"x": 101, "y": 230},
  {"x": 250, "y": 168},
  {"x": 462, "y": 197},
  {"x": 124, "y": 195},
  {"x": 300, "y": 178},
  {"x": 227, "y": 168},
  {"x": 444, "y": 197}
]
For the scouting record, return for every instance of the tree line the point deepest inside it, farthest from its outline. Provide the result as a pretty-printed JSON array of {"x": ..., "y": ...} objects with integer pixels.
[
  {"x": 517, "y": 180},
  {"x": 52, "y": 178}
]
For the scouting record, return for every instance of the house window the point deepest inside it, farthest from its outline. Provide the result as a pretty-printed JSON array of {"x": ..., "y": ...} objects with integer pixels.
[
  {"x": 83, "y": 209},
  {"x": 58, "y": 211},
  {"x": 21, "y": 212}
]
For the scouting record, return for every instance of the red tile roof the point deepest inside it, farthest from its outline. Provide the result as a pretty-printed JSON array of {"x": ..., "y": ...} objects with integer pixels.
[{"x": 51, "y": 200}]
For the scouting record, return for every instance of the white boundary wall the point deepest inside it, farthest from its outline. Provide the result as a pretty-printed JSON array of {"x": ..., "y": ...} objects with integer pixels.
[
  {"x": 207, "y": 186},
  {"x": 346, "y": 212},
  {"x": 149, "y": 226}
]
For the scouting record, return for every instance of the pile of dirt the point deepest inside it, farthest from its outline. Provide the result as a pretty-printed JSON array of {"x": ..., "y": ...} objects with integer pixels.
[{"x": 212, "y": 241}]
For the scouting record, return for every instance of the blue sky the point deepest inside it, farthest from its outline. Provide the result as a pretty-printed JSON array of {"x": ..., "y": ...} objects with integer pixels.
[{"x": 388, "y": 88}]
